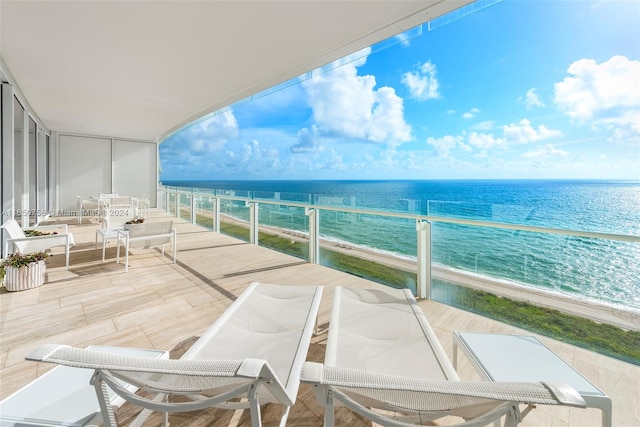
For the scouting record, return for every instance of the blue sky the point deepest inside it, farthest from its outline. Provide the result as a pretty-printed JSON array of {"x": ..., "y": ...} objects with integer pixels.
[{"x": 524, "y": 89}]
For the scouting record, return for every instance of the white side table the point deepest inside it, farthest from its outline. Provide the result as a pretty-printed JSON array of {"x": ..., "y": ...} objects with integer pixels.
[
  {"x": 63, "y": 396},
  {"x": 499, "y": 357}
]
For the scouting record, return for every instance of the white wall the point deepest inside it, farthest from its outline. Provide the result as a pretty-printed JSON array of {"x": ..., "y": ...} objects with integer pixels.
[
  {"x": 134, "y": 168},
  {"x": 90, "y": 165}
]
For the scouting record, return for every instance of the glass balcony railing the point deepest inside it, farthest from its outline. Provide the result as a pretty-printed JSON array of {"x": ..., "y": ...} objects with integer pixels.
[{"x": 436, "y": 249}]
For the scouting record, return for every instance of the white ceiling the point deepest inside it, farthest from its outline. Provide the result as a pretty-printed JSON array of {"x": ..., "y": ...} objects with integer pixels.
[{"x": 142, "y": 69}]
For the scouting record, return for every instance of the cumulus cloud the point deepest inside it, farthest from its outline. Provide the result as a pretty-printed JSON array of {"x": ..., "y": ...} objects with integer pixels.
[
  {"x": 212, "y": 133},
  {"x": 544, "y": 152},
  {"x": 443, "y": 146},
  {"x": 403, "y": 38},
  {"x": 308, "y": 141},
  {"x": 346, "y": 104},
  {"x": 603, "y": 95},
  {"x": 484, "y": 141},
  {"x": 532, "y": 100},
  {"x": 486, "y": 125},
  {"x": 471, "y": 113},
  {"x": 514, "y": 134},
  {"x": 252, "y": 157},
  {"x": 422, "y": 83},
  {"x": 523, "y": 133}
]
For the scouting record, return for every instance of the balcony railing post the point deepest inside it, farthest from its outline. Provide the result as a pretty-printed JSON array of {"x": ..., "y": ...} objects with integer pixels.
[
  {"x": 194, "y": 202},
  {"x": 423, "y": 285},
  {"x": 314, "y": 234},
  {"x": 177, "y": 204},
  {"x": 253, "y": 220},
  {"x": 216, "y": 214}
]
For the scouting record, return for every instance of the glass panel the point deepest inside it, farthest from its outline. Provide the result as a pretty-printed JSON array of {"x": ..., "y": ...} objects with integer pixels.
[
  {"x": 204, "y": 211},
  {"x": 234, "y": 219},
  {"x": 185, "y": 206},
  {"x": 284, "y": 229},
  {"x": 379, "y": 248},
  {"x": 171, "y": 202}
]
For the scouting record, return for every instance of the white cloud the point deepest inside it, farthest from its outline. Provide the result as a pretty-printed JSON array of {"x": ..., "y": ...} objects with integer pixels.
[
  {"x": 523, "y": 133},
  {"x": 471, "y": 113},
  {"x": 605, "y": 95},
  {"x": 532, "y": 100},
  {"x": 484, "y": 140},
  {"x": 544, "y": 152},
  {"x": 308, "y": 141},
  {"x": 403, "y": 38},
  {"x": 422, "y": 83},
  {"x": 253, "y": 158},
  {"x": 443, "y": 146},
  {"x": 387, "y": 122},
  {"x": 347, "y": 104},
  {"x": 486, "y": 125},
  {"x": 211, "y": 134}
]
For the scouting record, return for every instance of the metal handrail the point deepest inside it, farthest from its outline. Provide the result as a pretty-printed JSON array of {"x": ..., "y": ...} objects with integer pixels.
[{"x": 420, "y": 217}]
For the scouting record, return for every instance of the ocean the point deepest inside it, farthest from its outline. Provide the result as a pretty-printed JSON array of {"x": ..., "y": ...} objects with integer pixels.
[{"x": 606, "y": 271}]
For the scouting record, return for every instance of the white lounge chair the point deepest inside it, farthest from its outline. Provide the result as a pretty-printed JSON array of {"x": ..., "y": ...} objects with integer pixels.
[
  {"x": 384, "y": 362},
  {"x": 146, "y": 235},
  {"x": 23, "y": 244},
  {"x": 255, "y": 350}
]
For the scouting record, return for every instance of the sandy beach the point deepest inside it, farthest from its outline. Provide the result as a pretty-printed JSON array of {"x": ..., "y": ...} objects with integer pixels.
[{"x": 626, "y": 318}]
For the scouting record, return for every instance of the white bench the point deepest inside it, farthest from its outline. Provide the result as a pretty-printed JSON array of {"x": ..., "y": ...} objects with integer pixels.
[
  {"x": 146, "y": 235},
  {"x": 63, "y": 396}
]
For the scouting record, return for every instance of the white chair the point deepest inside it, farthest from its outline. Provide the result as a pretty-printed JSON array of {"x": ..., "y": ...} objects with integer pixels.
[
  {"x": 146, "y": 235},
  {"x": 23, "y": 244},
  {"x": 255, "y": 351},
  {"x": 113, "y": 220},
  {"x": 107, "y": 195},
  {"x": 384, "y": 362},
  {"x": 144, "y": 205},
  {"x": 86, "y": 205}
]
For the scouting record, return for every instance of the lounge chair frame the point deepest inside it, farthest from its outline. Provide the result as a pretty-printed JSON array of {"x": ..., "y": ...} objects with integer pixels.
[
  {"x": 396, "y": 393},
  {"x": 211, "y": 381}
]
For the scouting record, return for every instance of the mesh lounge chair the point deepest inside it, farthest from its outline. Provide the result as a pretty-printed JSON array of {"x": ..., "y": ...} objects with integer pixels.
[
  {"x": 384, "y": 362},
  {"x": 255, "y": 350},
  {"x": 19, "y": 242}
]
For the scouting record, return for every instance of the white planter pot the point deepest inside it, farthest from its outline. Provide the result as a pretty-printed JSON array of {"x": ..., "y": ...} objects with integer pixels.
[{"x": 28, "y": 277}]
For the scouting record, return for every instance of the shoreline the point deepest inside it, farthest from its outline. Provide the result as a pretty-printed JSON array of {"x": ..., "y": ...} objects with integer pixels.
[{"x": 623, "y": 317}]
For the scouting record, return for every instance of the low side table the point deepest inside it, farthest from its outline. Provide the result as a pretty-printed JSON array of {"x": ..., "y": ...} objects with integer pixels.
[
  {"x": 502, "y": 357},
  {"x": 63, "y": 396}
]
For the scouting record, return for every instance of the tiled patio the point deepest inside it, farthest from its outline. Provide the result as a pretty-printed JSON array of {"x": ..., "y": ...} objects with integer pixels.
[{"x": 164, "y": 306}]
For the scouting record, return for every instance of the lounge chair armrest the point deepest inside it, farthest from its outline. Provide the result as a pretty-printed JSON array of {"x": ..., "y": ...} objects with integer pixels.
[
  {"x": 312, "y": 373},
  {"x": 352, "y": 379},
  {"x": 94, "y": 359}
]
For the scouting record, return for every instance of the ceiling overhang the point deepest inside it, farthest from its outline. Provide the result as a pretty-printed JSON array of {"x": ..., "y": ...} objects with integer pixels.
[{"x": 143, "y": 69}]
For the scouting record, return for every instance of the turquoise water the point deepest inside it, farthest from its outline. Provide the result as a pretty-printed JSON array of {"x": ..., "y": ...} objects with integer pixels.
[{"x": 596, "y": 269}]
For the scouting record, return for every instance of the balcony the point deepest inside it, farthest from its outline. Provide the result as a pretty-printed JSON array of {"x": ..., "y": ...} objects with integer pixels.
[{"x": 162, "y": 305}]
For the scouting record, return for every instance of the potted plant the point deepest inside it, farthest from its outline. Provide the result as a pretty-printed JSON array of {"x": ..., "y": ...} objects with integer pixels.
[
  {"x": 23, "y": 271},
  {"x": 136, "y": 220}
]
